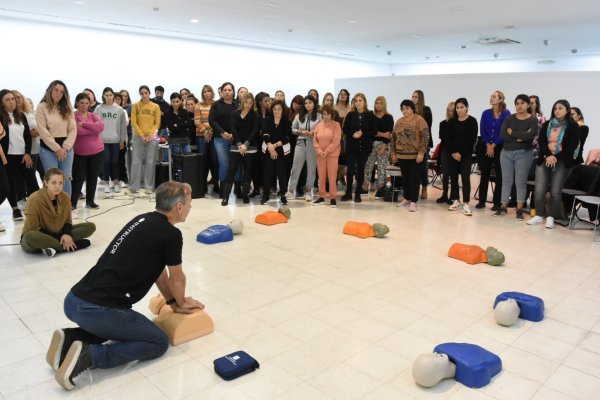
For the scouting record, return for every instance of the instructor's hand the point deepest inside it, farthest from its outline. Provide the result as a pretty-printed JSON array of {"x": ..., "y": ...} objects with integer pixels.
[{"x": 189, "y": 306}]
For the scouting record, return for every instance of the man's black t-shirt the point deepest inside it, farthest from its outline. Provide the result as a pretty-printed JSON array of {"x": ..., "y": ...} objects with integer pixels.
[{"x": 132, "y": 262}]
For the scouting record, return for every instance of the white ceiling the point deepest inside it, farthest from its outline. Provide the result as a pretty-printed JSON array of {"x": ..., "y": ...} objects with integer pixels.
[{"x": 412, "y": 31}]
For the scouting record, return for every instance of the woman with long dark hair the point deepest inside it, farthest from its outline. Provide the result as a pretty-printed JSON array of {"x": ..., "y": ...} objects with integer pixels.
[
  {"x": 125, "y": 154},
  {"x": 277, "y": 130},
  {"x": 304, "y": 128},
  {"x": 16, "y": 147},
  {"x": 114, "y": 137},
  {"x": 584, "y": 131},
  {"x": 558, "y": 139},
  {"x": 462, "y": 135},
  {"x": 444, "y": 155},
  {"x": 89, "y": 152},
  {"x": 178, "y": 121},
  {"x": 244, "y": 129},
  {"x": 418, "y": 98},
  {"x": 262, "y": 103},
  {"x": 57, "y": 128},
  {"x": 359, "y": 129},
  {"x": 219, "y": 120}
]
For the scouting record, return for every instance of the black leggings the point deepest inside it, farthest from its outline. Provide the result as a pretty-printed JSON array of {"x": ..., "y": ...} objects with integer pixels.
[
  {"x": 5, "y": 192},
  {"x": 464, "y": 167},
  {"x": 356, "y": 167},
  {"x": 235, "y": 158},
  {"x": 86, "y": 168},
  {"x": 19, "y": 177},
  {"x": 411, "y": 178},
  {"x": 279, "y": 166}
]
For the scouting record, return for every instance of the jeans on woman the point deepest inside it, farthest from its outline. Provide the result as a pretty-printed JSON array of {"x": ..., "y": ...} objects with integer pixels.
[
  {"x": 49, "y": 160},
  {"x": 515, "y": 167},
  {"x": 222, "y": 148},
  {"x": 556, "y": 177},
  {"x": 111, "y": 161},
  {"x": 132, "y": 335},
  {"x": 178, "y": 148}
]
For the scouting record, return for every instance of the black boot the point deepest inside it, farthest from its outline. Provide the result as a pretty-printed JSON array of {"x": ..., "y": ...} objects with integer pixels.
[
  {"x": 226, "y": 192},
  {"x": 245, "y": 191},
  {"x": 217, "y": 189},
  {"x": 237, "y": 189}
]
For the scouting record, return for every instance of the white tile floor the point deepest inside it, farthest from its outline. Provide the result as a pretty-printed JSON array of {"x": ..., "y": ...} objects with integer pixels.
[{"x": 328, "y": 316}]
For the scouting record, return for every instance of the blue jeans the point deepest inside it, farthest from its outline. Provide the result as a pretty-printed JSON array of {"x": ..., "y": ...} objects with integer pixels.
[
  {"x": 515, "y": 167},
  {"x": 134, "y": 336},
  {"x": 111, "y": 161},
  {"x": 201, "y": 144},
  {"x": 556, "y": 177},
  {"x": 49, "y": 160},
  {"x": 222, "y": 147},
  {"x": 178, "y": 148}
]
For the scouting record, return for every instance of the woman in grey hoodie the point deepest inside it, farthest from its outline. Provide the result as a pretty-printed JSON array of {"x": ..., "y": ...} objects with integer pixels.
[{"x": 114, "y": 137}]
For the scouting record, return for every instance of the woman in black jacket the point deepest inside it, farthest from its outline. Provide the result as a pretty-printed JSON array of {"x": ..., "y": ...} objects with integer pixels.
[
  {"x": 244, "y": 129},
  {"x": 179, "y": 121},
  {"x": 16, "y": 146},
  {"x": 277, "y": 130},
  {"x": 359, "y": 129},
  {"x": 558, "y": 140}
]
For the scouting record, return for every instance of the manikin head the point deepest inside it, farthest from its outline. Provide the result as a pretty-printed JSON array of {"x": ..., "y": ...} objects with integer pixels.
[
  {"x": 507, "y": 312},
  {"x": 429, "y": 369},
  {"x": 494, "y": 257},
  {"x": 237, "y": 226}
]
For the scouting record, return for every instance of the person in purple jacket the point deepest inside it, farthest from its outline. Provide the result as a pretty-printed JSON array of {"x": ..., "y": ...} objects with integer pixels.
[
  {"x": 490, "y": 147},
  {"x": 89, "y": 152}
]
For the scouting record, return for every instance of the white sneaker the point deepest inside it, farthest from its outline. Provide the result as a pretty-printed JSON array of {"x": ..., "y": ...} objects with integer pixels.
[
  {"x": 106, "y": 189},
  {"x": 2, "y": 228},
  {"x": 550, "y": 222},
  {"x": 535, "y": 220},
  {"x": 455, "y": 206},
  {"x": 21, "y": 205},
  {"x": 50, "y": 252},
  {"x": 117, "y": 188},
  {"x": 123, "y": 185},
  {"x": 467, "y": 210},
  {"x": 308, "y": 196}
]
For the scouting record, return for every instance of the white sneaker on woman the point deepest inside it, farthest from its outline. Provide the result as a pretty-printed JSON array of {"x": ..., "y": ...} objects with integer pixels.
[
  {"x": 550, "y": 222},
  {"x": 455, "y": 206},
  {"x": 535, "y": 220},
  {"x": 467, "y": 210},
  {"x": 308, "y": 196}
]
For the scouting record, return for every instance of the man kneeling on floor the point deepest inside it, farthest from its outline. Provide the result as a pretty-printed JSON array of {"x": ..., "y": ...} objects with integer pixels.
[{"x": 100, "y": 303}]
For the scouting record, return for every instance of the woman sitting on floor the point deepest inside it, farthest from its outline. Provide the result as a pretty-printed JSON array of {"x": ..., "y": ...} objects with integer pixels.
[{"x": 48, "y": 227}]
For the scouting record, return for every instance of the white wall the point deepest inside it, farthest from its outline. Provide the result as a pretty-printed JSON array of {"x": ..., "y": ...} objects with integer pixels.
[
  {"x": 580, "y": 88},
  {"x": 38, "y": 53}
]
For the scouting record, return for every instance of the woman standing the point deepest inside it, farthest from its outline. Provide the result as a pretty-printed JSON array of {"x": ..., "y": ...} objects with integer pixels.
[
  {"x": 89, "y": 152},
  {"x": 145, "y": 119},
  {"x": 24, "y": 106},
  {"x": 263, "y": 110},
  {"x": 57, "y": 128},
  {"x": 277, "y": 130},
  {"x": 125, "y": 154},
  {"x": 359, "y": 129},
  {"x": 178, "y": 121},
  {"x": 342, "y": 104},
  {"x": 409, "y": 145},
  {"x": 48, "y": 226},
  {"x": 380, "y": 153},
  {"x": 16, "y": 148},
  {"x": 244, "y": 130},
  {"x": 558, "y": 139},
  {"x": 219, "y": 120},
  {"x": 462, "y": 135},
  {"x": 5, "y": 192},
  {"x": 114, "y": 137},
  {"x": 518, "y": 131},
  {"x": 490, "y": 147},
  {"x": 204, "y": 134},
  {"x": 584, "y": 130},
  {"x": 418, "y": 98},
  {"x": 444, "y": 155},
  {"x": 328, "y": 135},
  {"x": 304, "y": 128}
]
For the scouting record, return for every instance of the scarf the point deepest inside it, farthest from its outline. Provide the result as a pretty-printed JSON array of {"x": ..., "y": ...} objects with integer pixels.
[{"x": 555, "y": 123}]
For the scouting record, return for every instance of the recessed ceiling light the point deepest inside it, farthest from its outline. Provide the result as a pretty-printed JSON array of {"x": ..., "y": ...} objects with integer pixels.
[
  {"x": 377, "y": 45},
  {"x": 464, "y": 46},
  {"x": 290, "y": 30},
  {"x": 353, "y": 21},
  {"x": 155, "y": 9},
  {"x": 574, "y": 51},
  {"x": 427, "y": 58},
  {"x": 194, "y": 21}
]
